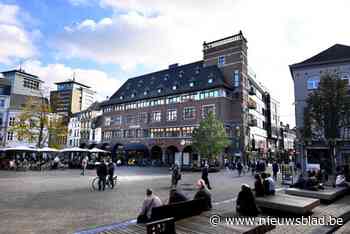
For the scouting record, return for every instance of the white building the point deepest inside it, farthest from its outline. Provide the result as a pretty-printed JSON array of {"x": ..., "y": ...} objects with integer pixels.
[
  {"x": 16, "y": 87},
  {"x": 84, "y": 128}
]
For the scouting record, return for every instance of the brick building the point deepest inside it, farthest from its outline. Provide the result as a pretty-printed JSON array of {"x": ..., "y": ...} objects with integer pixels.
[{"x": 152, "y": 116}]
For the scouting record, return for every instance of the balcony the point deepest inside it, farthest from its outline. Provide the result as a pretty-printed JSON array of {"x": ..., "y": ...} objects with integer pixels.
[{"x": 251, "y": 104}]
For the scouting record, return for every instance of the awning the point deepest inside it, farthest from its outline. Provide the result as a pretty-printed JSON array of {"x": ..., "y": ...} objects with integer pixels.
[
  {"x": 74, "y": 149},
  {"x": 20, "y": 148},
  {"x": 47, "y": 149},
  {"x": 96, "y": 150}
]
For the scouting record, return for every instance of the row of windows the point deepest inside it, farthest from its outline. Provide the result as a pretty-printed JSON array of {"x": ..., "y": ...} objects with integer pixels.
[
  {"x": 152, "y": 133},
  {"x": 188, "y": 113},
  {"x": 31, "y": 84},
  {"x": 173, "y": 99},
  {"x": 314, "y": 81}
]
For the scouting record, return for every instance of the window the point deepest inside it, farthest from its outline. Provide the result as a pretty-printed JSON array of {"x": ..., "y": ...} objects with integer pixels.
[
  {"x": 2, "y": 103},
  {"x": 191, "y": 84},
  {"x": 1, "y": 119},
  {"x": 221, "y": 60},
  {"x": 172, "y": 132},
  {"x": 159, "y": 90},
  {"x": 156, "y": 116},
  {"x": 133, "y": 95},
  {"x": 181, "y": 73},
  {"x": 108, "y": 121},
  {"x": 145, "y": 93},
  {"x": 174, "y": 87},
  {"x": 187, "y": 131},
  {"x": 116, "y": 120},
  {"x": 143, "y": 117},
  {"x": 189, "y": 113},
  {"x": 207, "y": 109},
  {"x": 11, "y": 121},
  {"x": 121, "y": 97},
  {"x": 312, "y": 83},
  {"x": 172, "y": 115},
  {"x": 345, "y": 77},
  {"x": 210, "y": 80},
  {"x": 236, "y": 78},
  {"x": 10, "y": 136}
]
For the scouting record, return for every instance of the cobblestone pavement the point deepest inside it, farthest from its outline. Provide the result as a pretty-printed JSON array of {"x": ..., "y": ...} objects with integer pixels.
[
  {"x": 61, "y": 202},
  {"x": 344, "y": 229}
]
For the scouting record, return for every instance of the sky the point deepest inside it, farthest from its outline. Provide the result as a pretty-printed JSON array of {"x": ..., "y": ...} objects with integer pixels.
[{"x": 105, "y": 42}]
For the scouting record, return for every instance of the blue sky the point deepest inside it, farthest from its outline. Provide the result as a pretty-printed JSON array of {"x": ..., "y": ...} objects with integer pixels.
[{"x": 107, "y": 41}]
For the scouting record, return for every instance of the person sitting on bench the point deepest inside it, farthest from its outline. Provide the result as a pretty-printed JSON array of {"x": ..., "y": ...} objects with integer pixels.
[
  {"x": 203, "y": 193},
  {"x": 176, "y": 196},
  {"x": 149, "y": 203},
  {"x": 340, "y": 181},
  {"x": 300, "y": 184},
  {"x": 269, "y": 184},
  {"x": 245, "y": 204},
  {"x": 258, "y": 186}
]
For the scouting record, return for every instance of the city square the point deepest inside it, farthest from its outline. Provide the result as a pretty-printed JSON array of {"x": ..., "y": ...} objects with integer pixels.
[{"x": 174, "y": 117}]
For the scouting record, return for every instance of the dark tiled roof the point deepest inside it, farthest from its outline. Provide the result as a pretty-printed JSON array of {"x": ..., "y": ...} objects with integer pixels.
[
  {"x": 181, "y": 76},
  {"x": 335, "y": 54}
]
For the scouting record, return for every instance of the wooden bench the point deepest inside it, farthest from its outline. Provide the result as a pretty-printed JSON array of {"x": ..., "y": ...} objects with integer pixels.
[
  {"x": 288, "y": 203},
  {"x": 178, "y": 210},
  {"x": 163, "y": 226},
  {"x": 329, "y": 194}
]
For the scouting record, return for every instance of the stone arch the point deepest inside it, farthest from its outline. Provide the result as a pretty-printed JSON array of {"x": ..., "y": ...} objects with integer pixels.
[
  {"x": 156, "y": 153},
  {"x": 170, "y": 154}
]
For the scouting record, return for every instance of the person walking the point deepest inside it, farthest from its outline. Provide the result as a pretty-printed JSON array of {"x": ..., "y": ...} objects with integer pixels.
[
  {"x": 175, "y": 175},
  {"x": 239, "y": 168},
  {"x": 275, "y": 170},
  {"x": 102, "y": 174},
  {"x": 84, "y": 165},
  {"x": 111, "y": 168},
  {"x": 205, "y": 173}
]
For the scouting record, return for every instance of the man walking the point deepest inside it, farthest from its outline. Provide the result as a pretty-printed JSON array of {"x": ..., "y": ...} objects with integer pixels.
[
  {"x": 102, "y": 173},
  {"x": 205, "y": 173},
  {"x": 239, "y": 168},
  {"x": 175, "y": 176},
  {"x": 275, "y": 170},
  {"x": 84, "y": 165},
  {"x": 111, "y": 168}
]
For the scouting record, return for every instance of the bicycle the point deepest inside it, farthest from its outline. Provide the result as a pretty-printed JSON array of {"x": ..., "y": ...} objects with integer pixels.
[{"x": 94, "y": 182}]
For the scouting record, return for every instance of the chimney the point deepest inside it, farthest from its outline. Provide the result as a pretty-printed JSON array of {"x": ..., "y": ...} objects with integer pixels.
[{"x": 172, "y": 66}]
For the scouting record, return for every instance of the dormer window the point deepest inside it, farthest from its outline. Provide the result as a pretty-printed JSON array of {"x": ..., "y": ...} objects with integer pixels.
[
  {"x": 133, "y": 95},
  {"x": 191, "y": 84},
  {"x": 197, "y": 69},
  {"x": 181, "y": 73},
  {"x": 121, "y": 97},
  {"x": 166, "y": 76},
  {"x": 210, "y": 80},
  {"x": 174, "y": 87},
  {"x": 159, "y": 90},
  {"x": 145, "y": 93}
]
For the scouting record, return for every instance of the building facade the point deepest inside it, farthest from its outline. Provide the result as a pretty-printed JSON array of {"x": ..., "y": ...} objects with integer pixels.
[
  {"x": 84, "y": 128},
  {"x": 16, "y": 88},
  {"x": 71, "y": 97},
  {"x": 306, "y": 76},
  {"x": 153, "y": 116}
]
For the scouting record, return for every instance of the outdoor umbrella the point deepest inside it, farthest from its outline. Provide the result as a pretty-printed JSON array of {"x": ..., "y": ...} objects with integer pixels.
[
  {"x": 96, "y": 150},
  {"x": 74, "y": 149}
]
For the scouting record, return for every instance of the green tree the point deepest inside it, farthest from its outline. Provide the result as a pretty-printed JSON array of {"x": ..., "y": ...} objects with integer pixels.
[
  {"x": 36, "y": 122},
  {"x": 210, "y": 138},
  {"x": 327, "y": 112}
]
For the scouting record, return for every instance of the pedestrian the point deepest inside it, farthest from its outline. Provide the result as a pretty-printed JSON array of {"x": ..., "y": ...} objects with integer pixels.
[
  {"x": 239, "y": 168},
  {"x": 253, "y": 167},
  {"x": 148, "y": 204},
  {"x": 84, "y": 165},
  {"x": 275, "y": 170},
  {"x": 203, "y": 193},
  {"x": 245, "y": 204},
  {"x": 111, "y": 168},
  {"x": 175, "y": 175},
  {"x": 102, "y": 174},
  {"x": 176, "y": 196},
  {"x": 205, "y": 173}
]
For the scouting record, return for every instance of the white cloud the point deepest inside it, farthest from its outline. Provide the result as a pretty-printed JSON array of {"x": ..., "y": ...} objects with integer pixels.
[
  {"x": 15, "y": 41},
  {"x": 158, "y": 32},
  {"x": 51, "y": 73}
]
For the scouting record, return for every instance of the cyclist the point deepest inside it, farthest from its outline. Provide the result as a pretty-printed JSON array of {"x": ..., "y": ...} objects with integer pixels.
[{"x": 102, "y": 173}]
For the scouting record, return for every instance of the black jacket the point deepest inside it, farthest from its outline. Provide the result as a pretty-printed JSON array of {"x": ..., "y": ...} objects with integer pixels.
[
  {"x": 205, "y": 172},
  {"x": 177, "y": 197},
  {"x": 102, "y": 170},
  {"x": 204, "y": 194},
  {"x": 246, "y": 204}
]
